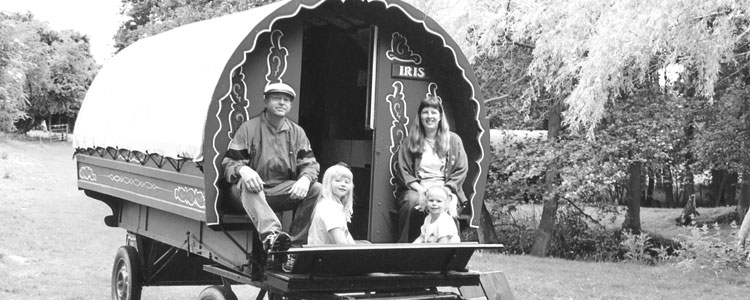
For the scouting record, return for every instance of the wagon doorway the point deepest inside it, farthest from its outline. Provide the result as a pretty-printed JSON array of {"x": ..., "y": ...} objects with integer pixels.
[{"x": 334, "y": 104}]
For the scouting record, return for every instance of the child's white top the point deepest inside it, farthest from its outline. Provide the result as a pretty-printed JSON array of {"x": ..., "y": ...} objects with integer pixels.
[
  {"x": 328, "y": 214},
  {"x": 444, "y": 226}
]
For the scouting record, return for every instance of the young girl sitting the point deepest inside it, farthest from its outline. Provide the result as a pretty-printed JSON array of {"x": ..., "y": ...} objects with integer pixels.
[
  {"x": 334, "y": 208},
  {"x": 439, "y": 226}
]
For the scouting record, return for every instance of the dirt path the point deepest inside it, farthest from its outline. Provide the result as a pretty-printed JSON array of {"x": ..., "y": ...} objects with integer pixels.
[{"x": 53, "y": 241}]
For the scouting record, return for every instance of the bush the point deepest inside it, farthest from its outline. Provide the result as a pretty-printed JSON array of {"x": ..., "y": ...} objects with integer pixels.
[
  {"x": 704, "y": 248},
  {"x": 574, "y": 237},
  {"x": 638, "y": 247},
  {"x": 514, "y": 228},
  {"x": 577, "y": 237}
]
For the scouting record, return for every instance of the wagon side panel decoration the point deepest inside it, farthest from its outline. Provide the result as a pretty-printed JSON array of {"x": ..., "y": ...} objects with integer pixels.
[{"x": 170, "y": 191}]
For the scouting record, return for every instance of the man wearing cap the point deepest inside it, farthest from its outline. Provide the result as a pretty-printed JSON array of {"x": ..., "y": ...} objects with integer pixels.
[{"x": 271, "y": 167}]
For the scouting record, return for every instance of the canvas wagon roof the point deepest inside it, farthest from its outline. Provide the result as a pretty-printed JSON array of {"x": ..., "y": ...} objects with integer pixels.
[{"x": 154, "y": 95}]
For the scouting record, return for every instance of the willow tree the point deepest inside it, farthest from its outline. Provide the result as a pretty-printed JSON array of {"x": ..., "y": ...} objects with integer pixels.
[
  {"x": 13, "y": 66},
  {"x": 592, "y": 52}
]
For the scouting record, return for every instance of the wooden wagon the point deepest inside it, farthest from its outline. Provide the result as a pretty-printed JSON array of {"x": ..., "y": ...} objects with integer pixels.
[{"x": 159, "y": 116}]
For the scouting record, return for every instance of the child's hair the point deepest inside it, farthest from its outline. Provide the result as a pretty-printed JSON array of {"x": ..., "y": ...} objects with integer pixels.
[
  {"x": 336, "y": 171},
  {"x": 446, "y": 200}
]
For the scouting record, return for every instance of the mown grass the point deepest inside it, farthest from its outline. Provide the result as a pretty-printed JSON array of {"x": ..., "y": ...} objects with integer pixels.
[
  {"x": 550, "y": 278},
  {"x": 655, "y": 221}
]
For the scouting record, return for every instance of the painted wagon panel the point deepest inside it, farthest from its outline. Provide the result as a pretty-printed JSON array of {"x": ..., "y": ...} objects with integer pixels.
[{"x": 170, "y": 191}]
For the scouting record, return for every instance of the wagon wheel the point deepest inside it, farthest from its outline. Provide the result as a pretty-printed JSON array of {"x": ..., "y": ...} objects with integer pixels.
[
  {"x": 126, "y": 275},
  {"x": 217, "y": 292}
]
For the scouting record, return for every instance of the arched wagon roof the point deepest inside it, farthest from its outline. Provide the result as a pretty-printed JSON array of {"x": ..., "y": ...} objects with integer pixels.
[{"x": 154, "y": 95}]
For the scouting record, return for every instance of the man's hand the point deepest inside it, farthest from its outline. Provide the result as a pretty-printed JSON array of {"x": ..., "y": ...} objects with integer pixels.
[
  {"x": 299, "y": 189},
  {"x": 251, "y": 179}
]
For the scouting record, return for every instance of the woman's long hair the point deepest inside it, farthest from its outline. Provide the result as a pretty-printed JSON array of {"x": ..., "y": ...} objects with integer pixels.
[
  {"x": 333, "y": 172},
  {"x": 416, "y": 139}
]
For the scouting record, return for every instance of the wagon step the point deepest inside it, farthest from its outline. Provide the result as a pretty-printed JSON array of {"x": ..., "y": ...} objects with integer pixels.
[{"x": 384, "y": 258}]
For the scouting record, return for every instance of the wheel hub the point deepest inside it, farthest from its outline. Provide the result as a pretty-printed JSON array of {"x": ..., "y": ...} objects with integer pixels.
[{"x": 123, "y": 281}]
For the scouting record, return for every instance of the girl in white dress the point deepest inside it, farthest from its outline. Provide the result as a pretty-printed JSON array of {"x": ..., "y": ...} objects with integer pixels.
[
  {"x": 439, "y": 226},
  {"x": 334, "y": 208}
]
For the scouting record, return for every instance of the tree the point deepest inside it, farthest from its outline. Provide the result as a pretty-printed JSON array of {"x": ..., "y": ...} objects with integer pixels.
[
  {"x": 72, "y": 69},
  {"x": 598, "y": 52},
  {"x": 46, "y": 72},
  {"x": 596, "y": 49},
  {"x": 14, "y": 38},
  {"x": 150, "y": 17}
]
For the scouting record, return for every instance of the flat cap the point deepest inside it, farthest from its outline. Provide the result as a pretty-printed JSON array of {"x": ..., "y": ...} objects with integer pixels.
[{"x": 280, "y": 87}]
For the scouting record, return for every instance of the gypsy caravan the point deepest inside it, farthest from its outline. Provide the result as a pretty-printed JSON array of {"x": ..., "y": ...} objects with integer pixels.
[{"x": 159, "y": 116}]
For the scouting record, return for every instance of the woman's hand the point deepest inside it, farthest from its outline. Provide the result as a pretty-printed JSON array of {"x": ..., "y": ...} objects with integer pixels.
[
  {"x": 299, "y": 189},
  {"x": 464, "y": 207},
  {"x": 418, "y": 188}
]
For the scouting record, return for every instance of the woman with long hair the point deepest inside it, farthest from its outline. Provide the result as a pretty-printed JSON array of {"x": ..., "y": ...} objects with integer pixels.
[{"x": 431, "y": 155}]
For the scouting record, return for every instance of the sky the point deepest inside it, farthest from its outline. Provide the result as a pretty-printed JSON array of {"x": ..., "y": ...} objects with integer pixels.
[{"x": 99, "y": 19}]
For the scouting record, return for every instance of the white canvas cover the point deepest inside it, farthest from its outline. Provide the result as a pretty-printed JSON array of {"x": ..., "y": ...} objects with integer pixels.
[{"x": 154, "y": 95}]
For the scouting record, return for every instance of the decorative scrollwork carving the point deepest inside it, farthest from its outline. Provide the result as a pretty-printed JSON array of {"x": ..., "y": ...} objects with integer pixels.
[
  {"x": 238, "y": 113},
  {"x": 399, "y": 120},
  {"x": 193, "y": 197},
  {"x": 432, "y": 91},
  {"x": 400, "y": 50},
  {"x": 134, "y": 182},
  {"x": 87, "y": 173},
  {"x": 277, "y": 58}
]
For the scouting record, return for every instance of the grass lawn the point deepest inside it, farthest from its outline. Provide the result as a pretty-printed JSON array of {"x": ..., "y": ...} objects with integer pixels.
[
  {"x": 661, "y": 221},
  {"x": 549, "y": 278}
]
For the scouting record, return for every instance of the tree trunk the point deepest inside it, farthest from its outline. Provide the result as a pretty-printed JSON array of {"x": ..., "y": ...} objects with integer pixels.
[
  {"x": 659, "y": 176},
  {"x": 688, "y": 180},
  {"x": 486, "y": 232},
  {"x": 744, "y": 202},
  {"x": 668, "y": 188},
  {"x": 716, "y": 187},
  {"x": 688, "y": 186},
  {"x": 744, "y": 231},
  {"x": 649, "y": 201},
  {"x": 689, "y": 212},
  {"x": 543, "y": 234},
  {"x": 633, "y": 215},
  {"x": 730, "y": 190}
]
